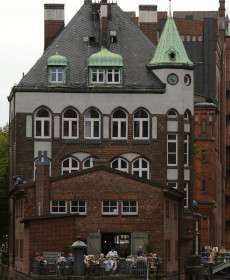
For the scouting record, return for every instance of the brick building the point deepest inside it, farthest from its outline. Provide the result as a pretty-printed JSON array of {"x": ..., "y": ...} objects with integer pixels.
[
  {"x": 205, "y": 35},
  {"x": 100, "y": 130}
]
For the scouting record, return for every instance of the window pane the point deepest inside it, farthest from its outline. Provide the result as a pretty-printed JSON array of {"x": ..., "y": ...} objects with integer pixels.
[
  {"x": 110, "y": 77},
  {"x": 66, "y": 163},
  {"x": 145, "y": 129},
  {"x": 116, "y": 78},
  {"x": 141, "y": 114},
  {"x": 115, "y": 129},
  {"x": 136, "y": 164},
  {"x": 123, "y": 129},
  {"x": 115, "y": 164},
  {"x": 88, "y": 129},
  {"x": 66, "y": 128},
  {"x": 60, "y": 76},
  {"x": 74, "y": 128},
  {"x": 101, "y": 77},
  {"x": 46, "y": 128},
  {"x": 70, "y": 114},
  {"x": 96, "y": 129},
  {"x": 144, "y": 164},
  {"x": 171, "y": 147},
  {"x": 93, "y": 114},
  {"x": 119, "y": 114},
  {"x": 94, "y": 77},
  {"x": 74, "y": 163},
  {"x": 38, "y": 128},
  {"x": 123, "y": 164},
  {"x": 172, "y": 159},
  {"x": 136, "y": 173},
  {"x": 136, "y": 129},
  {"x": 144, "y": 174},
  {"x": 172, "y": 136},
  {"x": 43, "y": 113}
]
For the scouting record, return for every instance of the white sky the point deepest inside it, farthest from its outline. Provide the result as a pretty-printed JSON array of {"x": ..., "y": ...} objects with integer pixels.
[{"x": 21, "y": 35}]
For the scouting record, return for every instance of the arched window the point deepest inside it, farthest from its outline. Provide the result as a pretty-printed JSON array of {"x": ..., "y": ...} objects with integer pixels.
[
  {"x": 119, "y": 125},
  {"x": 120, "y": 164},
  {"x": 172, "y": 114},
  {"x": 69, "y": 165},
  {"x": 70, "y": 124},
  {"x": 186, "y": 116},
  {"x": 141, "y": 125},
  {"x": 92, "y": 124},
  {"x": 42, "y": 127},
  {"x": 88, "y": 163},
  {"x": 140, "y": 168}
]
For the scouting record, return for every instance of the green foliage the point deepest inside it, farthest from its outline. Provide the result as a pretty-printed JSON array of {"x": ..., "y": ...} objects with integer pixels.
[
  {"x": 4, "y": 166},
  {"x": 4, "y": 171}
]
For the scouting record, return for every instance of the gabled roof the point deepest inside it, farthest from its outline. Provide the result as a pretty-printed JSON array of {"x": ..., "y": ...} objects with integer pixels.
[
  {"x": 134, "y": 47},
  {"x": 105, "y": 58},
  {"x": 170, "y": 50}
]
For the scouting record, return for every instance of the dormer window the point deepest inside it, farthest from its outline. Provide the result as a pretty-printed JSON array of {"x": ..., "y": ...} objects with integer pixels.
[
  {"x": 57, "y": 75},
  {"x": 57, "y": 65},
  {"x": 105, "y": 67}
]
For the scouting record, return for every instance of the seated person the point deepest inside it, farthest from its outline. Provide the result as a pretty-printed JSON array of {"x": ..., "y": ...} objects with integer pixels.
[{"x": 112, "y": 253}]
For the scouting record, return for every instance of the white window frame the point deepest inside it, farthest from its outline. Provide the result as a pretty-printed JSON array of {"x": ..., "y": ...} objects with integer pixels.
[
  {"x": 119, "y": 121},
  {"x": 119, "y": 165},
  {"x": 91, "y": 159},
  {"x": 114, "y": 213},
  {"x": 70, "y": 169},
  {"x": 70, "y": 124},
  {"x": 78, "y": 206},
  {"x": 42, "y": 120},
  {"x": 56, "y": 71},
  {"x": 97, "y": 71},
  {"x": 129, "y": 213},
  {"x": 186, "y": 116},
  {"x": 140, "y": 123},
  {"x": 176, "y": 152},
  {"x": 186, "y": 150},
  {"x": 174, "y": 183},
  {"x": 58, "y": 206},
  {"x": 113, "y": 71},
  {"x": 140, "y": 169},
  {"x": 92, "y": 128},
  {"x": 186, "y": 195}
]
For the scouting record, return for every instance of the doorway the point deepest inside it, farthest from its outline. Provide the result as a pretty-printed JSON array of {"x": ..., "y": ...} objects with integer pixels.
[{"x": 121, "y": 242}]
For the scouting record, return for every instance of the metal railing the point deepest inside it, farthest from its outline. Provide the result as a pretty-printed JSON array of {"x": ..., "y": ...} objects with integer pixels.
[{"x": 139, "y": 267}]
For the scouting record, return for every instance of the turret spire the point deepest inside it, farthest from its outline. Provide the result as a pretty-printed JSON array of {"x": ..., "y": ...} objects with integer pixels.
[{"x": 170, "y": 8}]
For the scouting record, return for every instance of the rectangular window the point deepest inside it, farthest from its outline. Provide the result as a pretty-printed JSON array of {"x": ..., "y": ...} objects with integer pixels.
[
  {"x": 57, "y": 75},
  {"x": 78, "y": 206},
  {"x": 129, "y": 207},
  {"x": 172, "y": 150},
  {"x": 42, "y": 128},
  {"x": 186, "y": 195},
  {"x": 186, "y": 150},
  {"x": 113, "y": 76},
  {"x": 110, "y": 207},
  {"x": 97, "y": 76},
  {"x": 172, "y": 184},
  {"x": 58, "y": 207},
  {"x": 119, "y": 129}
]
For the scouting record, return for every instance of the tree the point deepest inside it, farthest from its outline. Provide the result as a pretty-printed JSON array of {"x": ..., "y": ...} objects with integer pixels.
[{"x": 4, "y": 168}]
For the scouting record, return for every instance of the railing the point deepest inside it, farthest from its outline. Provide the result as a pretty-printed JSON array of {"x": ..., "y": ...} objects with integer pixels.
[
  {"x": 138, "y": 267},
  {"x": 205, "y": 258}
]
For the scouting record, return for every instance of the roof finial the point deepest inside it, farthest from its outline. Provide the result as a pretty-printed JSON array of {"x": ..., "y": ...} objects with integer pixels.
[{"x": 170, "y": 8}]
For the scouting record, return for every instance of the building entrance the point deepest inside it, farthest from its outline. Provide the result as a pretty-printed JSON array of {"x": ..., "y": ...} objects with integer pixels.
[{"x": 121, "y": 242}]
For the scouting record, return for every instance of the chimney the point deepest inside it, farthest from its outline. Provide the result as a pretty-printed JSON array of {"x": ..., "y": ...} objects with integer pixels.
[
  {"x": 105, "y": 15},
  {"x": 148, "y": 21},
  {"x": 42, "y": 183},
  {"x": 222, "y": 8},
  {"x": 54, "y": 22}
]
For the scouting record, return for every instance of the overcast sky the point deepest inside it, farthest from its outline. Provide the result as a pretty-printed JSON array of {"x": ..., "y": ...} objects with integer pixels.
[{"x": 21, "y": 36}]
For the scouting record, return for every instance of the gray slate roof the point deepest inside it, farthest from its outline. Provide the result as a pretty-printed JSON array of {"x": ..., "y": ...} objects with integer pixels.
[{"x": 133, "y": 45}]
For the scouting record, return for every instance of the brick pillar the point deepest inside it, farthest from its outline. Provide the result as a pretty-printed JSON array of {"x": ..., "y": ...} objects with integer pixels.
[
  {"x": 54, "y": 22},
  {"x": 42, "y": 184}
]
